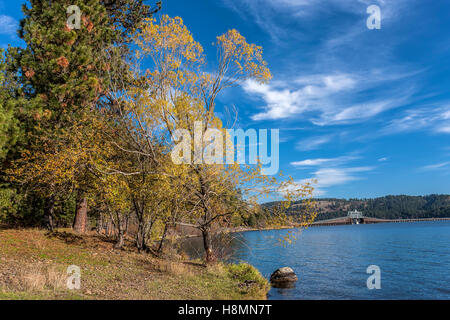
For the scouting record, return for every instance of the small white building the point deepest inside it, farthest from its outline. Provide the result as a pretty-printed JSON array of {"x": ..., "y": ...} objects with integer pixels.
[{"x": 355, "y": 214}]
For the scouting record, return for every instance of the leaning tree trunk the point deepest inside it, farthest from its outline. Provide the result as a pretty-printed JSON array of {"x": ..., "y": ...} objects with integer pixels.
[
  {"x": 207, "y": 244},
  {"x": 81, "y": 218},
  {"x": 159, "y": 251}
]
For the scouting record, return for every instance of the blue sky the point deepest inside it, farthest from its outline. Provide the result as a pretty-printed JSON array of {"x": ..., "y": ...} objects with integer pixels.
[{"x": 365, "y": 112}]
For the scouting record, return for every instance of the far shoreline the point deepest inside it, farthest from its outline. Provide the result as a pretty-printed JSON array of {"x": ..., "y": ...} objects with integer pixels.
[{"x": 319, "y": 224}]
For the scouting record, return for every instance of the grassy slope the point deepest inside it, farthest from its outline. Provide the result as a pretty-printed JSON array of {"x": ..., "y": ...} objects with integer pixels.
[{"x": 33, "y": 265}]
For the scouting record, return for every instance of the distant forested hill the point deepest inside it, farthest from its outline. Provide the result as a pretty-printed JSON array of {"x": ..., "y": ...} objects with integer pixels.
[{"x": 389, "y": 207}]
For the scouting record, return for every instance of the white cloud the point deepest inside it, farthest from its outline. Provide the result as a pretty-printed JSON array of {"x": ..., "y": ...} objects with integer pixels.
[
  {"x": 331, "y": 172},
  {"x": 432, "y": 118},
  {"x": 323, "y": 161},
  {"x": 444, "y": 129},
  {"x": 313, "y": 143},
  {"x": 329, "y": 177},
  {"x": 283, "y": 102},
  {"x": 383, "y": 159},
  {"x": 359, "y": 112},
  {"x": 8, "y": 25},
  {"x": 310, "y": 162},
  {"x": 436, "y": 166},
  {"x": 325, "y": 99}
]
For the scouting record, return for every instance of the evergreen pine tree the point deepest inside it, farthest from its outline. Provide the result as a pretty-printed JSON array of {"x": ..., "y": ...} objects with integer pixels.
[{"x": 62, "y": 74}]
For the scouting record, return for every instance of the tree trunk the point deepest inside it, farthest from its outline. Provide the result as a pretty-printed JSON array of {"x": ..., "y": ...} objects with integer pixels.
[
  {"x": 81, "y": 218},
  {"x": 49, "y": 215},
  {"x": 163, "y": 238},
  {"x": 109, "y": 229},
  {"x": 127, "y": 224},
  {"x": 120, "y": 239},
  {"x": 100, "y": 223},
  {"x": 140, "y": 237},
  {"x": 120, "y": 231},
  {"x": 207, "y": 244}
]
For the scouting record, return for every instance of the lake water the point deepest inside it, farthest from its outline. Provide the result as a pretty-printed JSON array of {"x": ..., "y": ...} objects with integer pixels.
[{"x": 331, "y": 262}]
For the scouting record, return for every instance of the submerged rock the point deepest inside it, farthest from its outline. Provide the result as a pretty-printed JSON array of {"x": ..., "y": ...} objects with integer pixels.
[{"x": 283, "y": 278}]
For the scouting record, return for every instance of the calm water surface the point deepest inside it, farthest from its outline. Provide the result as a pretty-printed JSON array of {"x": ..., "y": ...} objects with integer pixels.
[{"x": 331, "y": 262}]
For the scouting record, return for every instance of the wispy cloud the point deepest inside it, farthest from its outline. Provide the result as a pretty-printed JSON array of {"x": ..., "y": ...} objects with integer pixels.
[
  {"x": 8, "y": 25},
  {"x": 332, "y": 172},
  {"x": 329, "y": 177},
  {"x": 313, "y": 143},
  {"x": 323, "y": 161},
  {"x": 433, "y": 118},
  {"x": 436, "y": 166},
  {"x": 275, "y": 17},
  {"x": 327, "y": 99},
  {"x": 444, "y": 129},
  {"x": 334, "y": 88}
]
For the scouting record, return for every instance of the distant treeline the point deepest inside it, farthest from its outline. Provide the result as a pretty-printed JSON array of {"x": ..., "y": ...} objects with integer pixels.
[{"x": 388, "y": 207}]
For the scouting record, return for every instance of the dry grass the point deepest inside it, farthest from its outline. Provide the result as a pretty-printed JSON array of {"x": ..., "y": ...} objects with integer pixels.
[
  {"x": 41, "y": 278},
  {"x": 33, "y": 265},
  {"x": 174, "y": 268}
]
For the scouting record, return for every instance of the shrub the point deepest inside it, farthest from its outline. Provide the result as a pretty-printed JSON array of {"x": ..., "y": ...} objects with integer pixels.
[{"x": 244, "y": 272}]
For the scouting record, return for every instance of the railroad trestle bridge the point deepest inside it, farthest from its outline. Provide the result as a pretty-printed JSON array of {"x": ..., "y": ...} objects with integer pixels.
[{"x": 357, "y": 217}]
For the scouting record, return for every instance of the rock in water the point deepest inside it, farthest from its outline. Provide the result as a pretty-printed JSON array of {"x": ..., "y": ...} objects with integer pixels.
[{"x": 283, "y": 278}]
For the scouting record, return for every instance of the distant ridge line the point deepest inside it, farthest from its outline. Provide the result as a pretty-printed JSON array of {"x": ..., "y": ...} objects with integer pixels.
[{"x": 368, "y": 220}]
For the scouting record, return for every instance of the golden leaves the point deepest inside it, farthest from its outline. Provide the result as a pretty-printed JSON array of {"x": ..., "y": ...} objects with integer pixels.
[
  {"x": 169, "y": 41},
  {"x": 246, "y": 58}
]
